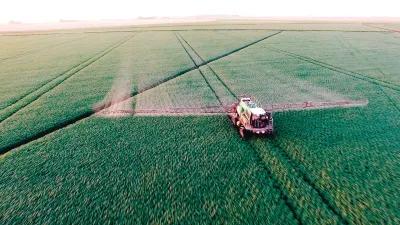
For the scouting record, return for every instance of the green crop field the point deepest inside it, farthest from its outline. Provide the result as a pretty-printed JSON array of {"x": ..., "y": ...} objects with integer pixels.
[{"x": 64, "y": 162}]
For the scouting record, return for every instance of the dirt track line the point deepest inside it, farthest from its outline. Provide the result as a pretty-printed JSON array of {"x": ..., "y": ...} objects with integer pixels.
[
  {"x": 71, "y": 72},
  {"x": 340, "y": 70},
  {"x": 198, "y": 69},
  {"x": 88, "y": 113},
  {"x": 212, "y": 70}
]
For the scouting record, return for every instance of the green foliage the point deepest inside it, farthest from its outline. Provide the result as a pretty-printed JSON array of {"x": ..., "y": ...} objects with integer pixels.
[
  {"x": 103, "y": 170},
  {"x": 326, "y": 166},
  {"x": 23, "y": 75},
  {"x": 148, "y": 60}
]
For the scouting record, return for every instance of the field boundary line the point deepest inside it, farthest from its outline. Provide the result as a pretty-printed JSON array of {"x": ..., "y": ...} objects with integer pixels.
[
  {"x": 198, "y": 69},
  {"x": 88, "y": 113},
  {"x": 71, "y": 72},
  {"x": 353, "y": 74},
  {"x": 212, "y": 70}
]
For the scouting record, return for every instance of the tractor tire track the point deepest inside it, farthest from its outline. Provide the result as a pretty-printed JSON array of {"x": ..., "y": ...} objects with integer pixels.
[
  {"x": 275, "y": 183},
  {"x": 353, "y": 74},
  {"x": 281, "y": 168},
  {"x": 305, "y": 177},
  {"x": 198, "y": 69},
  {"x": 212, "y": 70},
  {"x": 71, "y": 121},
  {"x": 71, "y": 72}
]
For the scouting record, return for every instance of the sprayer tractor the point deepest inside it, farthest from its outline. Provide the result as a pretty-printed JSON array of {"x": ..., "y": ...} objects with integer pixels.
[{"x": 251, "y": 119}]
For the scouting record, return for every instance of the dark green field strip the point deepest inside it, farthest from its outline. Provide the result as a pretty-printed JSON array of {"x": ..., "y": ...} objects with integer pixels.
[
  {"x": 128, "y": 170},
  {"x": 351, "y": 157},
  {"x": 340, "y": 70},
  {"x": 34, "y": 51},
  {"x": 209, "y": 67},
  {"x": 31, "y": 97}
]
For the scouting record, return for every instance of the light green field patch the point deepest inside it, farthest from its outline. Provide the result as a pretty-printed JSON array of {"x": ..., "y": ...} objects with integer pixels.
[
  {"x": 374, "y": 54},
  {"x": 153, "y": 58},
  {"x": 270, "y": 77},
  {"x": 210, "y": 44},
  {"x": 20, "y": 45},
  {"x": 24, "y": 75},
  {"x": 188, "y": 91}
]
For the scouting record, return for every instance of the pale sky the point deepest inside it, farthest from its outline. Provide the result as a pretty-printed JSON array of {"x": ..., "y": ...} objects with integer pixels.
[{"x": 54, "y": 10}]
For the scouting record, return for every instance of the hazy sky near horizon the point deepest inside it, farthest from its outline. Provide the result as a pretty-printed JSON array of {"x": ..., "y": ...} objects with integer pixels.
[{"x": 54, "y": 10}]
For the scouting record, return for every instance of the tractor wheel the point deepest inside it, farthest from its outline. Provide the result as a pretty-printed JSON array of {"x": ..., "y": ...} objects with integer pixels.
[{"x": 242, "y": 132}]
